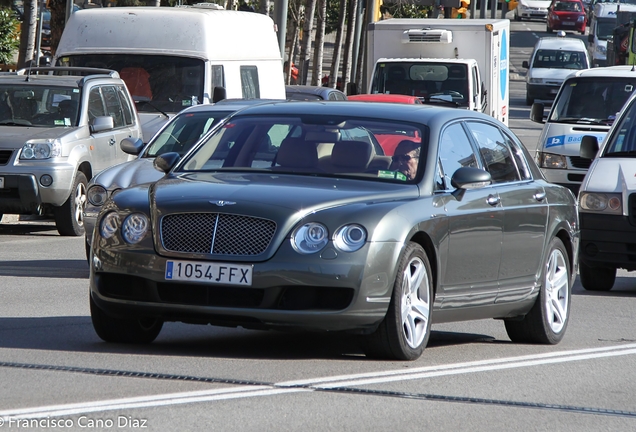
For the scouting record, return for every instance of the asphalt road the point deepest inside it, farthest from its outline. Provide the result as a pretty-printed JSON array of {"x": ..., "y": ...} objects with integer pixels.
[{"x": 53, "y": 368}]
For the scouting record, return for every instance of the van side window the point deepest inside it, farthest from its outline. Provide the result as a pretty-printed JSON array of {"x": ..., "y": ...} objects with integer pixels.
[
  {"x": 113, "y": 105},
  {"x": 495, "y": 152},
  {"x": 95, "y": 104},
  {"x": 125, "y": 105},
  {"x": 249, "y": 82},
  {"x": 218, "y": 78}
]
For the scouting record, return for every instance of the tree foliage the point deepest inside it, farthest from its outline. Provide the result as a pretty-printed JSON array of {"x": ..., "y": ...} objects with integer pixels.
[{"x": 9, "y": 37}]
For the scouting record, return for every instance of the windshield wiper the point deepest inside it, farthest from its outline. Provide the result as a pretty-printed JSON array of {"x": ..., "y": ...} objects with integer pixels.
[
  {"x": 437, "y": 100},
  {"x": 16, "y": 123},
  {"x": 147, "y": 102},
  {"x": 631, "y": 153},
  {"x": 585, "y": 120}
]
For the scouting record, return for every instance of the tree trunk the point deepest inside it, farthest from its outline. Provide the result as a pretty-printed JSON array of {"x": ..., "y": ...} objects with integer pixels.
[
  {"x": 348, "y": 48},
  {"x": 28, "y": 28},
  {"x": 305, "y": 48},
  {"x": 58, "y": 21},
  {"x": 319, "y": 45},
  {"x": 337, "y": 49}
]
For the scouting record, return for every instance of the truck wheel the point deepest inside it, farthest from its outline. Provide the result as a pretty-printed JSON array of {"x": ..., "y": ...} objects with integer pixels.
[
  {"x": 406, "y": 328},
  {"x": 117, "y": 330},
  {"x": 547, "y": 320},
  {"x": 69, "y": 217},
  {"x": 596, "y": 278}
]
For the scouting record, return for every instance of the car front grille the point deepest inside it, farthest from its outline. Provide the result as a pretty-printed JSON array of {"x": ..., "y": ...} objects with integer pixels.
[
  {"x": 5, "y": 155},
  {"x": 579, "y": 162},
  {"x": 216, "y": 233}
]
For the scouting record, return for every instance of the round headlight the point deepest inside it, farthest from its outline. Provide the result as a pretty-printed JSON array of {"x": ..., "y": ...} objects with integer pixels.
[
  {"x": 97, "y": 195},
  {"x": 593, "y": 201},
  {"x": 310, "y": 238},
  {"x": 134, "y": 227},
  {"x": 350, "y": 238},
  {"x": 109, "y": 225}
]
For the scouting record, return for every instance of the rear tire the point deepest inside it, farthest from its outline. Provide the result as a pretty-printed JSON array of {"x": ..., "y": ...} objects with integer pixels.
[
  {"x": 597, "y": 278},
  {"x": 117, "y": 330},
  {"x": 548, "y": 319},
  {"x": 406, "y": 328},
  {"x": 69, "y": 217}
]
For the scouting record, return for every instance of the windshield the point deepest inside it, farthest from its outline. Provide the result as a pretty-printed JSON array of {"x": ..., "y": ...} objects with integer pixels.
[
  {"x": 183, "y": 132},
  {"x": 592, "y": 98},
  {"x": 38, "y": 105},
  {"x": 311, "y": 146},
  {"x": 559, "y": 59},
  {"x": 623, "y": 140},
  {"x": 157, "y": 83},
  {"x": 423, "y": 80},
  {"x": 604, "y": 28}
]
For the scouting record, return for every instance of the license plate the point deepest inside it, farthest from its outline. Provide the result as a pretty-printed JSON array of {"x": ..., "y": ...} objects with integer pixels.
[
  {"x": 568, "y": 23},
  {"x": 554, "y": 91},
  {"x": 212, "y": 273},
  {"x": 1, "y": 182}
]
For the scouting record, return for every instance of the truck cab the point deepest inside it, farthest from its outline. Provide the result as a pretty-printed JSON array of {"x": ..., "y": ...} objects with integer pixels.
[{"x": 602, "y": 23}]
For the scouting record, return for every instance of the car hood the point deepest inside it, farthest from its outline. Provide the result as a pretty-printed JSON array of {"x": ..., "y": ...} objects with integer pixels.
[
  {"x": 14, "y": 137},
  {"x": 128, "y": 174},
  {"x": 611, "y": 175}
]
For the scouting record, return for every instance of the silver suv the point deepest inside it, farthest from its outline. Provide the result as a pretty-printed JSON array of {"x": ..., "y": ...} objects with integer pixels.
[{"x": 59, "y": 127}]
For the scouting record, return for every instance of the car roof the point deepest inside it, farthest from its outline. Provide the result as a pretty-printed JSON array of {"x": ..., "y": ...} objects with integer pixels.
[
  {"x": 610, "y": 71},
  {"x": 416, "y": 113},
  {"x": 228, "y": 105},
  {"x": 76, "y": 76},
  {"x": 561, "y": 43}
]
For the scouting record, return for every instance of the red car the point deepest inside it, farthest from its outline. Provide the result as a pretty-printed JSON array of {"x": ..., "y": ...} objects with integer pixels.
[{"x": 566, "y": 15}]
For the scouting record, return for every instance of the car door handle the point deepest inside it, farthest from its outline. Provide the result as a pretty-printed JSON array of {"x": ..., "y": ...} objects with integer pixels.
[
  {"x": 111, "y": 141},
  {"x": 539, "y": 196},
  {"x": 493, "y": 200}
]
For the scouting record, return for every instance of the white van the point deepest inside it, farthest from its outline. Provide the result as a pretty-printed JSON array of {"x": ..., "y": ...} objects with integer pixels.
[
  {"x": 602, "y": 22},
  {"x": 607, "y": 204},
  {"x": 586, "y": 104},
  {"x": 172, "y": 58}
]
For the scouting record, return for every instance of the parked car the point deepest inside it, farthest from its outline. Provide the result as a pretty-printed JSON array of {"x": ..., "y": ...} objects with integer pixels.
[
  {"x": 385, "y": 97},
  {"x": 551, "y": 61},
  {"x": 178, "y": 135},
  {"x": 606, "y": 203},
  {"x": 566, "y": 15},
  {"x": 57, "y": 133},
  {"x": 532, "y": 9},
  {"x": 308, "y": 93},
  {"x": 274, "y": 221}
]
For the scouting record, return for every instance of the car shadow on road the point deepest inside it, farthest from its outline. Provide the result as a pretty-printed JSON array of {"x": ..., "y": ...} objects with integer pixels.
[
  {"x": 623, "y": 287},
  {"x": 64, "y": 269},
  {"x": 31, "y": 228},
  {"x": 76, "y": 334}
]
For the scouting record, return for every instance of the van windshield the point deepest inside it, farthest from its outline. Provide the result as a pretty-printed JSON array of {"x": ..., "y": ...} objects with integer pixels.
[
  {"x": 595, "y": 100},
  {"x": 156, "y": 82},
  {"x": 604, "y": 28},
  {"x": 559, "y": 59},
  {"x": 623, "y": 140}
]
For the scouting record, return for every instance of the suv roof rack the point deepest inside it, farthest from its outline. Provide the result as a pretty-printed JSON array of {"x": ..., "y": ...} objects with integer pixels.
[{"x": 73, "y": 71}]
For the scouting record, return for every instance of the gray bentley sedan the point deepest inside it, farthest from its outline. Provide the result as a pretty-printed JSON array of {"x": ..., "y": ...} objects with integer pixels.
[{"x": 341, "y": 216}]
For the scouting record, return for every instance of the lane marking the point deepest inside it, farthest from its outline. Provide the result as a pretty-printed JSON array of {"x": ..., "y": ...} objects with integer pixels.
[{"x": 335, "y": 383}]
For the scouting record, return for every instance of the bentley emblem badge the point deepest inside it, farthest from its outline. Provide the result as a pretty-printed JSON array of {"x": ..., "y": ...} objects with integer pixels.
[{"x": 222, "y": 203}]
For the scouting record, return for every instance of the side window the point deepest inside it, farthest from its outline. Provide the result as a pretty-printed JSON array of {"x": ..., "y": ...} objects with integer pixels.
[
  {"x": 495, "y": 152},
  {"x": 455, "y": 151},
  {"x": 519, "y": 157},
  {"x": 218, "y": 79},
  {"x": 125, "y": 106},
  {"x": 113, "y": 105},
  {"x": 95, "y": 104},
  {"x": 475, "y": 82},
  {"x": 249, "y": 82}
]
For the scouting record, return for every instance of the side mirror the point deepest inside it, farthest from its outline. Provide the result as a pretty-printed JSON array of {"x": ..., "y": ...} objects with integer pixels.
[
  {"x": 218, "y": 94},
  {"x": 102, "y": 123},
  {"x": 589, "y": 147},
  {"x": 470, "y": 178},
  {"x": 590, "y": 37},
  {"x": 352, "y": 88},
  {"x": 536, "y": 112},
  {"x": 131, "y": 146},
  {"x": 525, "y": 64},
  {"x": 166, "y": 161}
]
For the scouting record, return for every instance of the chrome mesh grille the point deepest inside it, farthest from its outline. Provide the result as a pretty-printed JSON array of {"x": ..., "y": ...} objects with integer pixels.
[{"x": 216, "y": 233}]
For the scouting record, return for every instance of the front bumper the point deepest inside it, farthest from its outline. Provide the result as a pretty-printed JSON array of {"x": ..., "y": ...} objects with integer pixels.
[
  {"x": 542, "y": 91},
  {"x": 607, "y": 241},
  {"x": 533, "y": 14},
  {"x": 350, "y": 291},
  {"x": 568, "y": 25},
  {"x": 570, "y": 178}
]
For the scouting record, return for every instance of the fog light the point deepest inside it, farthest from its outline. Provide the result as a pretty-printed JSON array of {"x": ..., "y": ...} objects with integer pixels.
[
  {"x": 591, "y": 249},
  {"x": 46, "y": 180}
]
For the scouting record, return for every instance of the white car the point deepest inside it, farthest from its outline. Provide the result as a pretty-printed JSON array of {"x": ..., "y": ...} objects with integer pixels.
[{"x": 532, "y": 9}]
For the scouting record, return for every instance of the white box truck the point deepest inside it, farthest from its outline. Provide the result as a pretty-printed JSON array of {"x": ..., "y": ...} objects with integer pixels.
[
  {"x": 174, "y": 57},
  {"x": 459, "y": 61}
]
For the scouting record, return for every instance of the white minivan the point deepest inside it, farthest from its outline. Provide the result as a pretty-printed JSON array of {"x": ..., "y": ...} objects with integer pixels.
[
  {"x": 587, "y": 104},
  {"x": 175, "y": 57},
  {"x": 607, "y": 204}
]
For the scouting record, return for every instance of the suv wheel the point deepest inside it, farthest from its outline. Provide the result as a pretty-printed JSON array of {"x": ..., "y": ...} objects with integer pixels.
[{"x": 69, "y": 217}]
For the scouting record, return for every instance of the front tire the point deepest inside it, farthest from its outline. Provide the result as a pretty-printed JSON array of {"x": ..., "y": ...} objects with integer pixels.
[
  {"x": 69, "y": 217},
  {"x": 548, "y": 319},
  {"x": 597, "y": 278},
  {"x": 406, "y": 328},
  {"x": 117, "y": 330}
]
